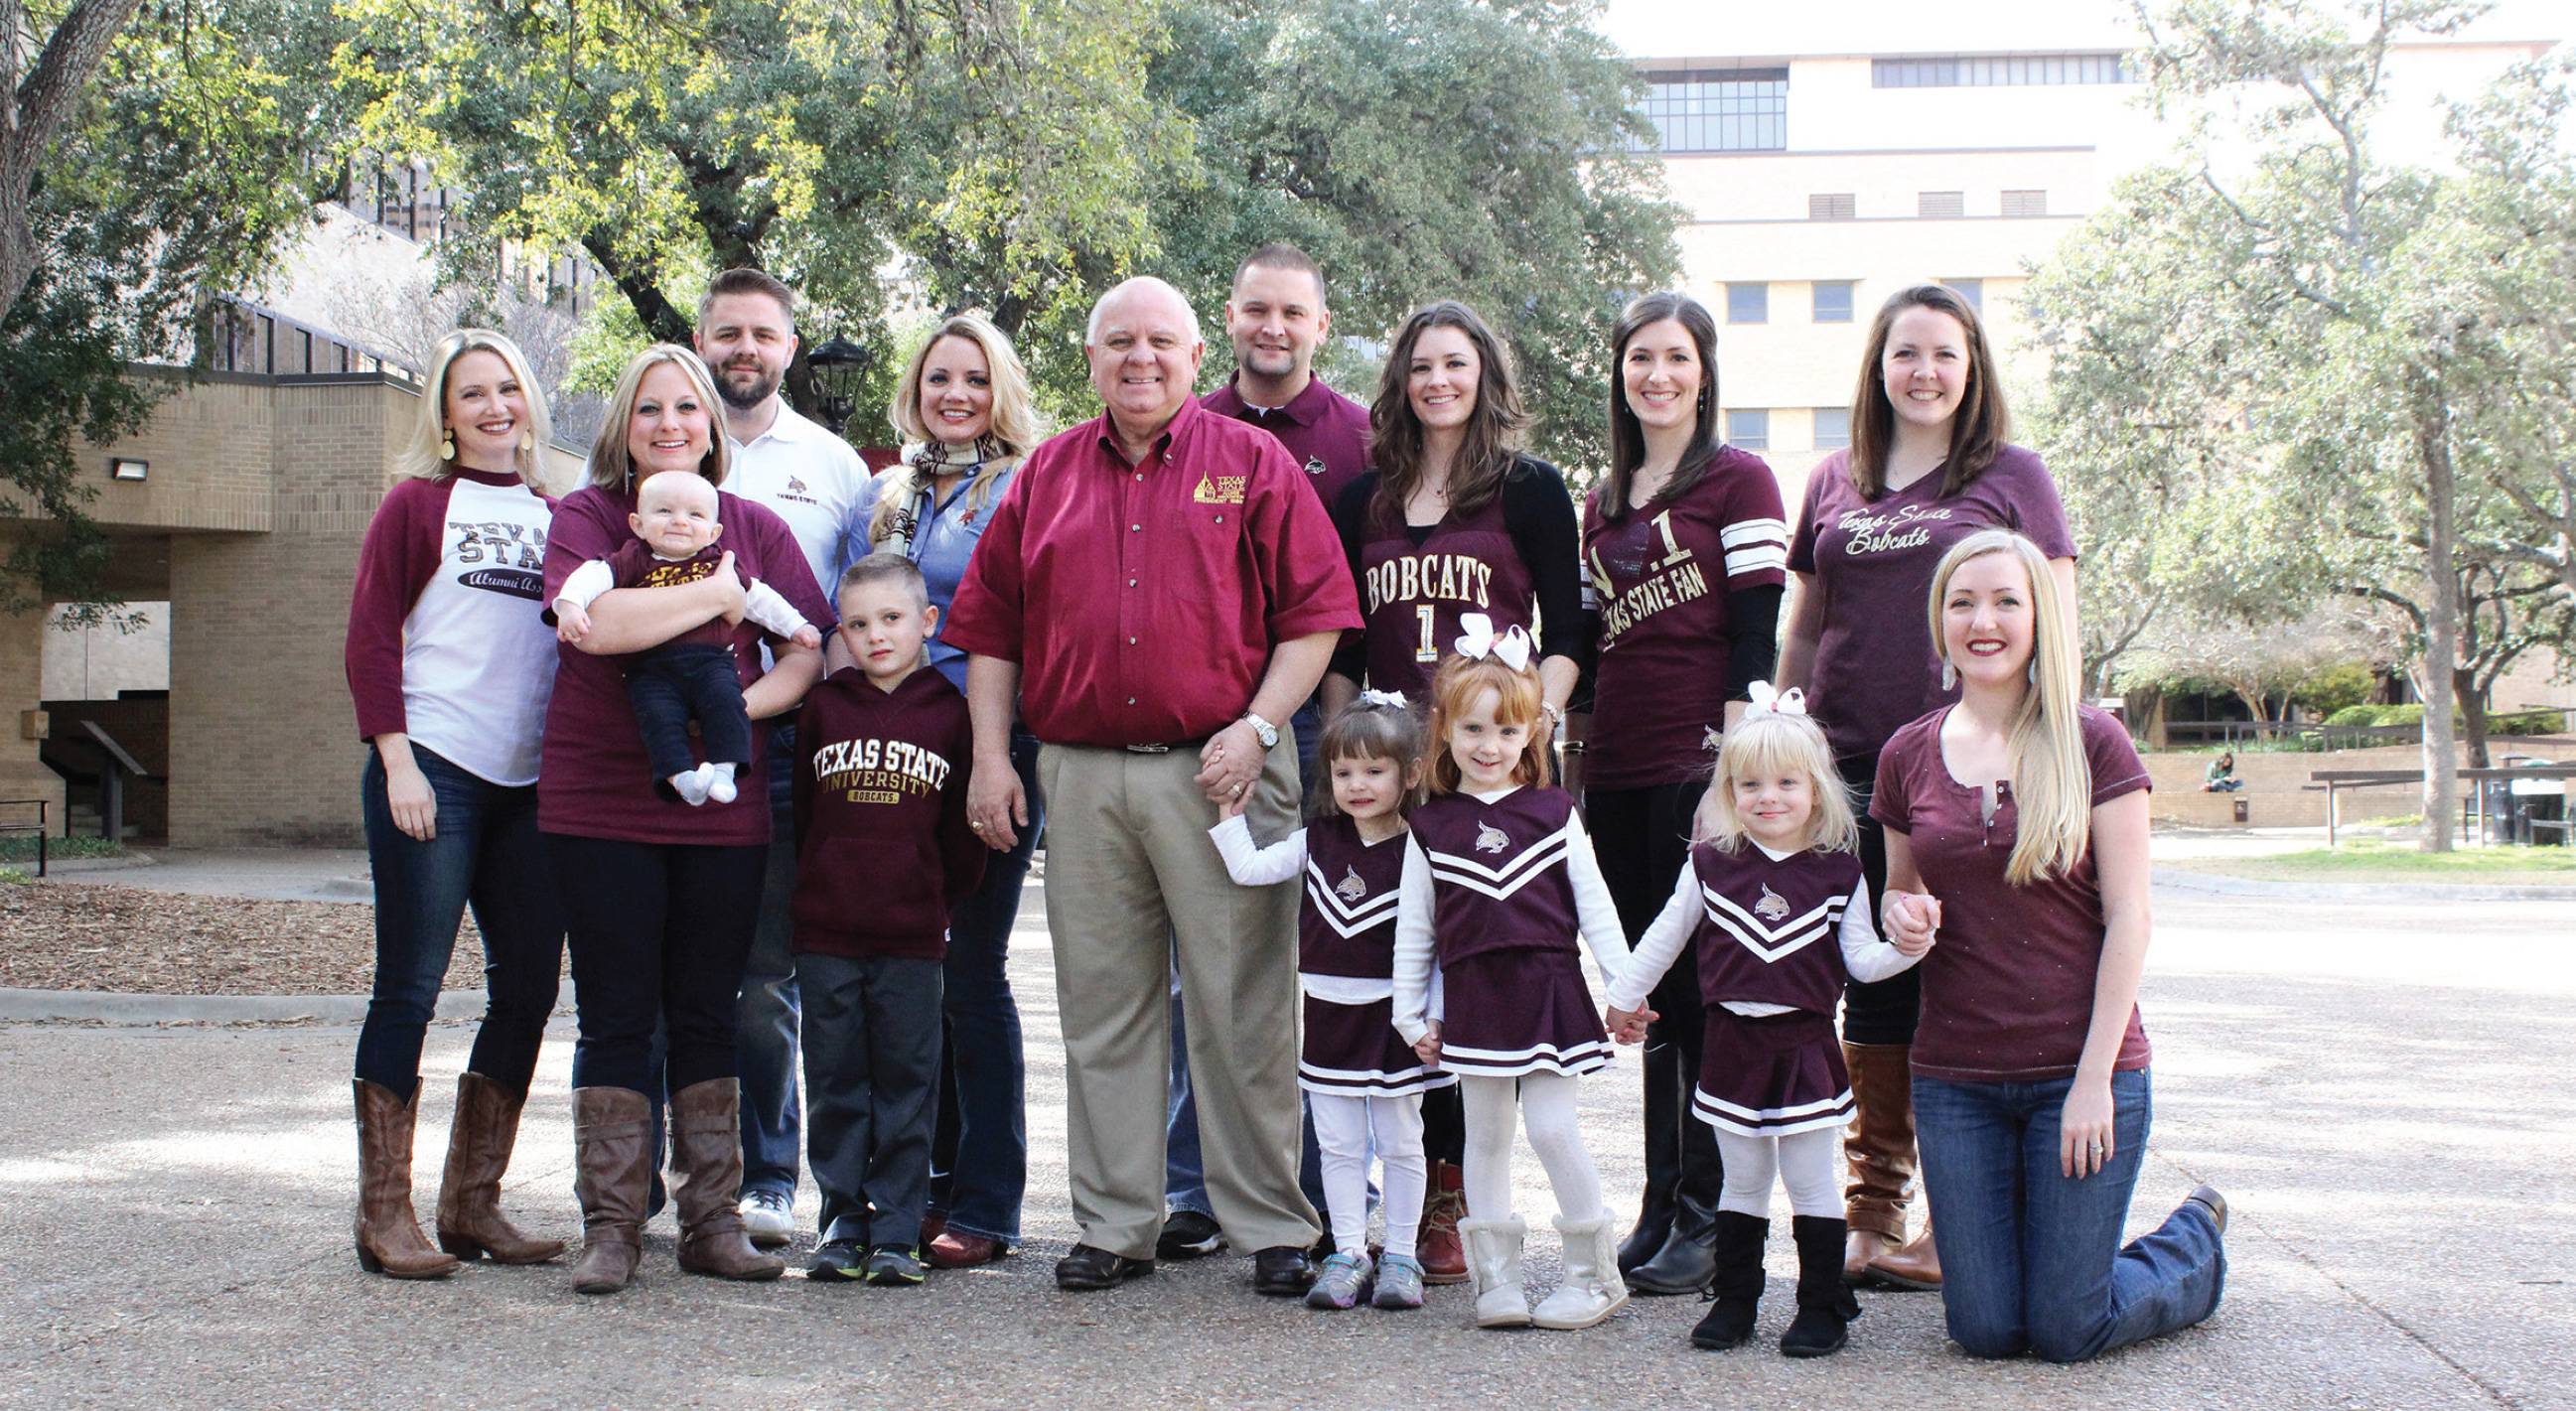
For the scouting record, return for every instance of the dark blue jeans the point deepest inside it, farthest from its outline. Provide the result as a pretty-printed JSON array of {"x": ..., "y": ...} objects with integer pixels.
[
  {"x": 2031, "y": 1260},
  {"x": 767, "y": 1013},
  {"x": 483, "y": 852},
  {"x": 981, "y": 1165}
]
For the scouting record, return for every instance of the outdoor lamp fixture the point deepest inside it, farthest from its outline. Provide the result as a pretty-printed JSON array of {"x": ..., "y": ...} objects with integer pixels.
[
  {"x": 838, "y": 366},
  {"x": 127, "y": 468}
]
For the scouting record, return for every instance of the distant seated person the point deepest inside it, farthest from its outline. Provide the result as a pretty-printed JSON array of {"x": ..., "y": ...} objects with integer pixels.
[
  {"x": 2221, "y": 778},
  {"x": 690, "y": 677}
]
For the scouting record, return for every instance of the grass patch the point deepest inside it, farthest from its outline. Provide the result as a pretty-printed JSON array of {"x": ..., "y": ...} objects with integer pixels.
[
  {"x": 21, "y": 847},
  {"x": 2368, "y": 860},
  {"x": 13, "y": 877}
]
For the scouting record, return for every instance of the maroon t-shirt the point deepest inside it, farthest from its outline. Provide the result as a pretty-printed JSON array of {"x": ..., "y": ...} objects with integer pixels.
[
  {"x": 1875, "y": 667},
  {"x": 635, "y": 565},
  {"x": 1413, "y": 593},
  {"x": 594, "y": 780},
  {"x": 1326, "y": 433},
  {"x": 1660, "y": 577},
  {"x": 2008, "y": 990},
  {"x": 1143, "y": 602}
]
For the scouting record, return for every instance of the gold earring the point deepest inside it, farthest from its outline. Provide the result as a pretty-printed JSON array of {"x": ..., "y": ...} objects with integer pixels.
[
  {"x": 527, "y": 440},
  {"x": 447, "y": 446}
]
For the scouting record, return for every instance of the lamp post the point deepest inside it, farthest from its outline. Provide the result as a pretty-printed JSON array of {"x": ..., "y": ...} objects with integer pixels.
[{"x": 838, "y": 367}]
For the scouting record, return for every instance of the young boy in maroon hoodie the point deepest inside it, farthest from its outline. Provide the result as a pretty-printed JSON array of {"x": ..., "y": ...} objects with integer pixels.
[{"x": 883, "y": 853}]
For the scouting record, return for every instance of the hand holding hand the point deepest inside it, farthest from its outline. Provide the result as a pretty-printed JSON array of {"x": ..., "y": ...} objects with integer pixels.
[
  {"x": 1427, "y": 1048},
  {"x": 1230, "y": 763},
  {"x": 1912, "y": 921},
  {"x": 572, "y": 621},
  {"x": 1627, "y": 1026}
]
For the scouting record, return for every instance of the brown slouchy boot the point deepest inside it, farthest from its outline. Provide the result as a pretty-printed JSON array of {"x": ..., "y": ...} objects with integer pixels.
[
  {"x": 613, "y": 1169},
  {"x": 706, "y": 1146},
  {"x": 1880, "y": 1147},
  {"x": 470, "y": 1223},
  {"x": 389, "y": 1237}
]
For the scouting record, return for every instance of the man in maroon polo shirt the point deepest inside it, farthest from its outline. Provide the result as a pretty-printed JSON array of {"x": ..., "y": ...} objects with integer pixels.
[{"x": 1155, "y": 594}]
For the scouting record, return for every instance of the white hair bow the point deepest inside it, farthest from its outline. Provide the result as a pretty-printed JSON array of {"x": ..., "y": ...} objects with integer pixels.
[
  {"x": 1391, "y": 699},
  {"x": 1481, "y": 641},
  {"x": 1767, "y": 700}
]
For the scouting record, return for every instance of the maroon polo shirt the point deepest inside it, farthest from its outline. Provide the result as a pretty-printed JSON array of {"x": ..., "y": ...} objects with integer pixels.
[
  {"x": 1326, "y": 433},
  {"x": 2008, "y": 988},
  {"x": 593, "y": 778},
  {"x": 1142, "y": 602},
  {"x": 1875, "y": 668}
]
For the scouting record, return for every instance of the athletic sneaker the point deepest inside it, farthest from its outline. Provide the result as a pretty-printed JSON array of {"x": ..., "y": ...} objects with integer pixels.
[
  {"x": 1187, "y": 1234},
  {"x": 769, "y": 1217},
  {"x": 836, "y": 1261},
  {"x": 1399, "y": 1282},
  {"x": 1340, "y": 1282},
  {"x": 893, "y": 1266}
]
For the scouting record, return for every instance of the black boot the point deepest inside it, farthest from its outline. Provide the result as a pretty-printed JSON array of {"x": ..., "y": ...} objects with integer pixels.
[
  {"x": 1735, "y": 1286},
  {"x": 1684, "y": 1263},
  {"x": 1664, "y": 1119},
  {"x": 1825, "y": 1303}
]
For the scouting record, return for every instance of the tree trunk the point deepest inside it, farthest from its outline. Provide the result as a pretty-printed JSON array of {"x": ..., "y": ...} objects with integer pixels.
[
  {"x": 2464, "y": 686},
  {"x": 34, "y": 108},
  {"x": 2441, "y": 620}
]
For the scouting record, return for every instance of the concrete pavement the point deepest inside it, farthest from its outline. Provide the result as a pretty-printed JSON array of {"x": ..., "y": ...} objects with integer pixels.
[{"x": 2377, "y": 1088}]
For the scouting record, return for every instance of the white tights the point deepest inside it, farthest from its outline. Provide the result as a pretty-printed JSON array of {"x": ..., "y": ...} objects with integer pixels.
[
  {"x": 1345, "y": 1128},
  {"x": 1803, "y": 1161},
  {"x": 1545, "y": 1106}
]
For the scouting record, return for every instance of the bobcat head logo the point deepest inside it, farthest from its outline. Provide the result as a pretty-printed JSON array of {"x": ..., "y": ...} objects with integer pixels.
[
  {"x": 1772, "y": 906},
  {"x": 795, "y": 486},
  {"x": 1492, "y": 839},
  {"x": 1315, "y": 465},
  {"x": 1710, "y": 740},
  {"x": 1350, "y": 888}
]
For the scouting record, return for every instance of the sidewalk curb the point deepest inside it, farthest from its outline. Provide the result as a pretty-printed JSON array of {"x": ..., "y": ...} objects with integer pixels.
[
  {"x": 2359, "y": 893},
  {"x": 27, "y": 1006}
]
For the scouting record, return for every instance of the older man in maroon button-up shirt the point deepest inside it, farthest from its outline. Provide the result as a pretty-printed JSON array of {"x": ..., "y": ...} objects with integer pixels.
[{"x": 1156, "y": 593}]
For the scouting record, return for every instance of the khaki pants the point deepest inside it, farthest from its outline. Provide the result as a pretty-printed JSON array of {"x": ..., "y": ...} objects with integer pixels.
[{"x": 1133, "y": 881}]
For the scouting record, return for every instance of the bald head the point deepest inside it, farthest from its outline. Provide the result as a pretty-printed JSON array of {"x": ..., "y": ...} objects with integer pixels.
[{"x": 1145, "y": 349}]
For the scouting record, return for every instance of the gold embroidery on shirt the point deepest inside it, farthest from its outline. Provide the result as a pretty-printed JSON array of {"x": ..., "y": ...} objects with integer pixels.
[{"x": 1219, "y": 490}]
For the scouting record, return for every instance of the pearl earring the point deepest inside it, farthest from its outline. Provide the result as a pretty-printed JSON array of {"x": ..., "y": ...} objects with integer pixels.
[{"x": 1949, "y": 675}]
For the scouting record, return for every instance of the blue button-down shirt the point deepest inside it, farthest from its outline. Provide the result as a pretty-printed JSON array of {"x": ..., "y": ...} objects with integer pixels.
[{"x": 944, "y": 536}]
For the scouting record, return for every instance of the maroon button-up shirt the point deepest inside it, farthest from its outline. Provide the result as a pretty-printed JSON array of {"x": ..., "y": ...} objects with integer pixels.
[
  {"x": 1142, "y": 602},
  {"x": 1324, "y": 431}
]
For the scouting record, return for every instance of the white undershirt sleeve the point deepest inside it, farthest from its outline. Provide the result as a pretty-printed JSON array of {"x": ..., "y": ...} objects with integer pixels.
[
  {"x": 1413, "y": 944},
  {"x": 583, "y": 585},
  {"x": 1868, "y": 958},
  {"x": 1662, "y": 943},
  {"x": 1595, "y": 912},
  {"x": 764, "y": 605},
  {"x": 1251, "y": 865}
]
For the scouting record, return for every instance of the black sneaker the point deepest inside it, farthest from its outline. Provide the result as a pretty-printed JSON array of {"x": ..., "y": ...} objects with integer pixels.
[
  {"x": 836, "y": 1261},
  {"x": 1187, "y": 1234},
  {"x": 893, "y": 1266}
]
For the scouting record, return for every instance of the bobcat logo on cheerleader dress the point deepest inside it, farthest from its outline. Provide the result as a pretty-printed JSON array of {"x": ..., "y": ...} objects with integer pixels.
[
  {"x": 1492, "y": 839},
  {"x": 1350, "y": 888},
  {"x": 1771, "y": 906}
]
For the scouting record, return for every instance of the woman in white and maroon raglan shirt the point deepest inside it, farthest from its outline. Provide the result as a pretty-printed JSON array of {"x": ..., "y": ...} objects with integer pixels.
[
  {"x": 1686, "y": 543},
  {"x": 1928, "y": 466},
  {"x": 660, "y": 898},
  {"x": 450, "y": 664}
]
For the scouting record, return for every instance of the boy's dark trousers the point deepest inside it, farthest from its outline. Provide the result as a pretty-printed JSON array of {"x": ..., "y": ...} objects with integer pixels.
[
  {"x": 871, "y": 1035},
  {"x": 668, "y": 687}
]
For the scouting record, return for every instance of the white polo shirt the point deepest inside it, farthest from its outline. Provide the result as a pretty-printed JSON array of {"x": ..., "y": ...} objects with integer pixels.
[{"x": 810, "y": 478}]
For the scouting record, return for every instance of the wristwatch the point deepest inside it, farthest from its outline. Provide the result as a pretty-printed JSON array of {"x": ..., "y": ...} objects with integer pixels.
[{"x": 1262, "y": 729}]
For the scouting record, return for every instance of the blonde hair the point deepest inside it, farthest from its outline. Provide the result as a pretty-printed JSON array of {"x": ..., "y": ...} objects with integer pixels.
[
  {"x": 612, "y": 465},
  {"x": 1017, "y": 427},
  {"x": 1772, "y": 744},
  {"x": 2052, "y": 781},
  {"x": 423, "y": 450},
  {"x": 1518, "y": 701}
]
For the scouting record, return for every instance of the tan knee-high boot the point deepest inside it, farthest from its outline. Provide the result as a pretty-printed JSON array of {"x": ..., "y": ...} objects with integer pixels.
[
  {"x": 1879, "y": 1147},
  {"x": 479, "y": 1143},
  {"x": 613, "y": 1170},
  {"x": 706, "y": 1145},
  {"x": 388, "y": 1233}
]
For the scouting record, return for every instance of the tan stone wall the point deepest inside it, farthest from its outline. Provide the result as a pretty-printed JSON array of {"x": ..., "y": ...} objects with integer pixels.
[
  {"x": 210, "y": 449},
  {"x": 2276, "y": 784},
  {"x": 263, "y": 742},
  {"x": 22, "y": 660}
]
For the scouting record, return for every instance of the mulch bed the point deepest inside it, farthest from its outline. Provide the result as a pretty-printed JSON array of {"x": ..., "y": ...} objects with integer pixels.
[{"x": 66, "y": 936}]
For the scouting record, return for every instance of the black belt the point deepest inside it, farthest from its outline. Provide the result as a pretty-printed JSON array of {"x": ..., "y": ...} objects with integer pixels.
[{"x": 1199, "y": 743}]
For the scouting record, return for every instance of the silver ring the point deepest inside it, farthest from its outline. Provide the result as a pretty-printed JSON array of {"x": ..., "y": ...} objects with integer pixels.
[
  {"x": 2093, "y": 1147},
  {"x": 977, "y": 826}
]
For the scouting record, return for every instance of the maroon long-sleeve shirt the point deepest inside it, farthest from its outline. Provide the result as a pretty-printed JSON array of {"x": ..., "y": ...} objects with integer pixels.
[{"x": 883, "y": 850}]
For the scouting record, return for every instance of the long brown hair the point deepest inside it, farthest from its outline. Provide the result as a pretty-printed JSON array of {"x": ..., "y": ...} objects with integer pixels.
[
  {"x": 1977, "y": 429},
  {"x": 1627, "y": 438},
  {"x": 1493, "y": 428}
]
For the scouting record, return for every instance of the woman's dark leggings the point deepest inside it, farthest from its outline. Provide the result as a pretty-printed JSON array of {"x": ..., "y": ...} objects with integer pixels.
[{"x": 658, "y": 934}]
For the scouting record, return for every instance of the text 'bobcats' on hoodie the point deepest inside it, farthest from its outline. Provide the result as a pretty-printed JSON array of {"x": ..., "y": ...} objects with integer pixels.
[{"x": 882, "y": 847}]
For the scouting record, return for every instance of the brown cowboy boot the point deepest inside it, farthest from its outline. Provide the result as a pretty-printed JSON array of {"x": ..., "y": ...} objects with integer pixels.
[
  {"x": 1444, "y": 1257},
  {"x": 1916, "y": 1267},
  {"x": 1880, "y": 1147},
  {"x": 706, "y": 1146},
  {"x": 389, "y": 1237},
  {"x": 470, "y": 1223},
  {"x": 613, "y": 1170}
]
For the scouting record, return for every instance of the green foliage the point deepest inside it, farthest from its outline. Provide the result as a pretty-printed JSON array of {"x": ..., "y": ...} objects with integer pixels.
[
  {"x": 19, "y": 847},
  {"x": 183, "y": 174},
  {"x": 2332, "y": 688},
  {"x": 2527, "y": 722}
]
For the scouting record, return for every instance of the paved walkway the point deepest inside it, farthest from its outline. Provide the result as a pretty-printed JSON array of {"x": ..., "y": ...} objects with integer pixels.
[{"x": 2389, "y": 1116}]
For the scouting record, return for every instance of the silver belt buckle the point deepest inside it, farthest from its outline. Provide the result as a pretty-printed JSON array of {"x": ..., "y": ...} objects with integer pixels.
[{"x": 1148, "y": 749}]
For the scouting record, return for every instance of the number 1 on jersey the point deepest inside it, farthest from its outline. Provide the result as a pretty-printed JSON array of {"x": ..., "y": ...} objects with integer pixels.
[{"x": 1429, "y": 650}]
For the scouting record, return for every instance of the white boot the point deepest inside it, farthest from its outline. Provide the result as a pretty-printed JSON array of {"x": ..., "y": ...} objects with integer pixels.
[
  {"x": 1592, "y": 1289},
  {"x": 1494, "y": 1263}
]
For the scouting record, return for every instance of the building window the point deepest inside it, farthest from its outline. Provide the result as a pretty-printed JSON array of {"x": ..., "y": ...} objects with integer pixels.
[
  {"x": 1748, "y": 303},
  {"x": 1940, "y": 205},
  {"x": 1748, "y": 431},
  {"x": 1998, "y": 71},
  {"x": 1971, "y": 290},
  {"x": 1718, "y": 110},
  {"x": 1833, "y": 303},
  {"x": 2025, "y": 203},
  {"x": 1833, "y": 428},
  {"x": 1834, "y": 205}
]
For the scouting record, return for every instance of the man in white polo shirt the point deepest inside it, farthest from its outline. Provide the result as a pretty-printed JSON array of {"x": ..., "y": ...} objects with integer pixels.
[{"x": 813, "y": 480}]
